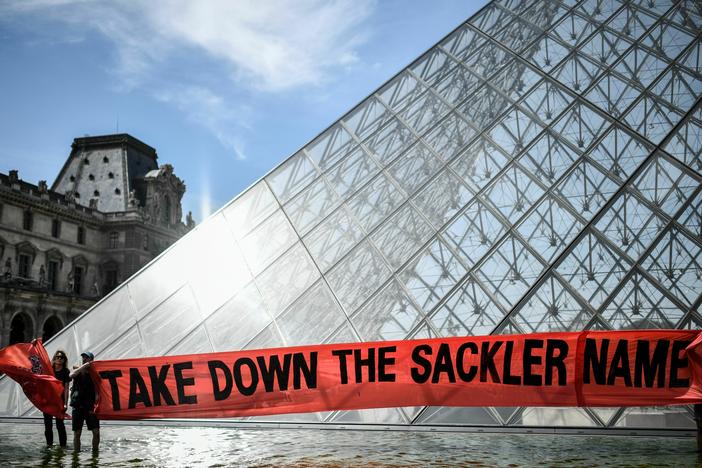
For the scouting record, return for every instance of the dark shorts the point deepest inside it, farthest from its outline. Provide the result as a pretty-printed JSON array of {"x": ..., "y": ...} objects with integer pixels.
[{"x": 80, "y": 416}]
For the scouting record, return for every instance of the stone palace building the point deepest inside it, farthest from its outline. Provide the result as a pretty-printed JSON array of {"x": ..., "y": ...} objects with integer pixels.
[{"x": 111, "y": 210}]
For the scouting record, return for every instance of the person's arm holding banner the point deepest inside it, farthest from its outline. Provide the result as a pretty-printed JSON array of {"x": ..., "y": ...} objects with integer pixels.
[
  {"x": 29, "y": 365},
  {"x": 79, "y": 370}
]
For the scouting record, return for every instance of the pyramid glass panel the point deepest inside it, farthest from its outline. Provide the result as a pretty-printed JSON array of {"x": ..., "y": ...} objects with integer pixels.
[
  {"x": 470, "y": 310},
  {"x": 454, "y": 416},
  {"x": 552, "y": 307},
  {"x": 656, "y": 418},
  {"x": 538, "y": 169}
]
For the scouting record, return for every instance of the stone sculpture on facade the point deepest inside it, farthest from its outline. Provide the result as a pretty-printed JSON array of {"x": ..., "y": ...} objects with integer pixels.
[
  {"x": 8, "y": 269},
  {"x": 189, "y": 222},
  {"x": 69, "y": 282},
  {"x": 42, "y": 276}
]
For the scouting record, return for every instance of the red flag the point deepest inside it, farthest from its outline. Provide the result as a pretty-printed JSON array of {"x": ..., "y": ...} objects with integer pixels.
[{"x": 29, "y": 365}]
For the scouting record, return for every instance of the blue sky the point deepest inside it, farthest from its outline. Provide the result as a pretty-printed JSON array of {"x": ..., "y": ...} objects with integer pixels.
[{"x": 224, "y": 90}]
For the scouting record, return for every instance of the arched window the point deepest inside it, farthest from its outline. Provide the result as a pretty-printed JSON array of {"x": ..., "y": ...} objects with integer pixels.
[
  {"x": 52, "y": 325},
  {"x": 20, "y": 328}
]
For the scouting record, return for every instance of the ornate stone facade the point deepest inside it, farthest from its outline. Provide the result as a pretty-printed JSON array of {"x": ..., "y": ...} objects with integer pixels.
[{"x": 110, "y": 211}]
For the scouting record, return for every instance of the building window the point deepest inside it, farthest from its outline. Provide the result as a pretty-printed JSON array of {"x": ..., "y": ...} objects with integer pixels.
[
  {"x": 131, "y": 263},
  {"x": 105, "y": 160},
  {"x": 110, "y": 280},
  {"x": 77, "y": 280},
  {"x": 113, "y": 242},
  {"x": 117, "y": 191},
  {"x": 76, "y": 194},
  {"x": 86, "y": 161},
  {"x": 55, "y": 228},
  {"x": 72, "y": 178},
  {"x": 130, "y": 238},
  {"x": 1, "y": 210},
  {"x": 81, "y": 235},
  {"x": 51, "y": 327},
  {"x": 24, "y": 266},
  {"x": 91, "y": 177},
  {"x": 52, "y": 276},
  {"x": 27, "y": 220},
  {"x": 111, "y": 175},
  {"x": 96, "y": 193},
  {"x": 20, "y": 329}
]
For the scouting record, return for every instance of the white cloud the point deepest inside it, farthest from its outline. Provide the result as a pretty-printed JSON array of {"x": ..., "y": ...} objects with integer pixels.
[
  {"x": 272, "y": 45},
  {"x": 210, "y": 111}
]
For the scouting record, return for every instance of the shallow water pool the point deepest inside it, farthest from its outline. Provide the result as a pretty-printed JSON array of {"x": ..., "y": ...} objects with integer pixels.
[{"x": 22, "y": 444}]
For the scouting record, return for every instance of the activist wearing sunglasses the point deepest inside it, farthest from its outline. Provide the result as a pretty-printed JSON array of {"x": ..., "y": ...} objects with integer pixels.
[{"x": 61, "y": 372}]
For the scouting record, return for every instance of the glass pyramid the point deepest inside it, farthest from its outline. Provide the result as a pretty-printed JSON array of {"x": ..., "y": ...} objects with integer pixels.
[{"x": 537, "y": 170}]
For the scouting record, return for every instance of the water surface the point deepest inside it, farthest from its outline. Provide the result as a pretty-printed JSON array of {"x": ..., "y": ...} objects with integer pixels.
[{"x": 163, "y": 446}]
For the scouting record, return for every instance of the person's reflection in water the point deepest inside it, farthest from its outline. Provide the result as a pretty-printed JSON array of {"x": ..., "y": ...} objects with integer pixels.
[
  {"x": 92, "y": 460},
  {"x": 53, "y": 457},
  {"x": 75, "y": 462},
  {"x": 47, "y": 457},
  {"x": 95, "y": 459}
]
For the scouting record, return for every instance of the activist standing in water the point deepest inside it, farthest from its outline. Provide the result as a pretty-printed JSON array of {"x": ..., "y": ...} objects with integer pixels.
[
  {"x": 83, "y": 402},
  {"x": 59, "y": 364}
]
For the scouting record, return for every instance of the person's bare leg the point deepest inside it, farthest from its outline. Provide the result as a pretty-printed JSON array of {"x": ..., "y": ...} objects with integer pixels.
[
  {"x": 96, "y": 439},
  {"x": 76, "y": 440}
]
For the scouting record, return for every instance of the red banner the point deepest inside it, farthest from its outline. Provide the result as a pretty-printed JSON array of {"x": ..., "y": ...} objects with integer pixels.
[
  {"x": 613, "y": 368},
  {"x": 29, "y": 365}
]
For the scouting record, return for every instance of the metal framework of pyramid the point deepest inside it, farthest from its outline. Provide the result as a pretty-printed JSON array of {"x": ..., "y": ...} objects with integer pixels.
[{"x": 536, "y": 170}]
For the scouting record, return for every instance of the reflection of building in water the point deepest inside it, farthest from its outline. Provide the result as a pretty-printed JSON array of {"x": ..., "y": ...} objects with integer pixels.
[
  {"x": 536, "y": 170},
  {"x": 109, "y": 212}
]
